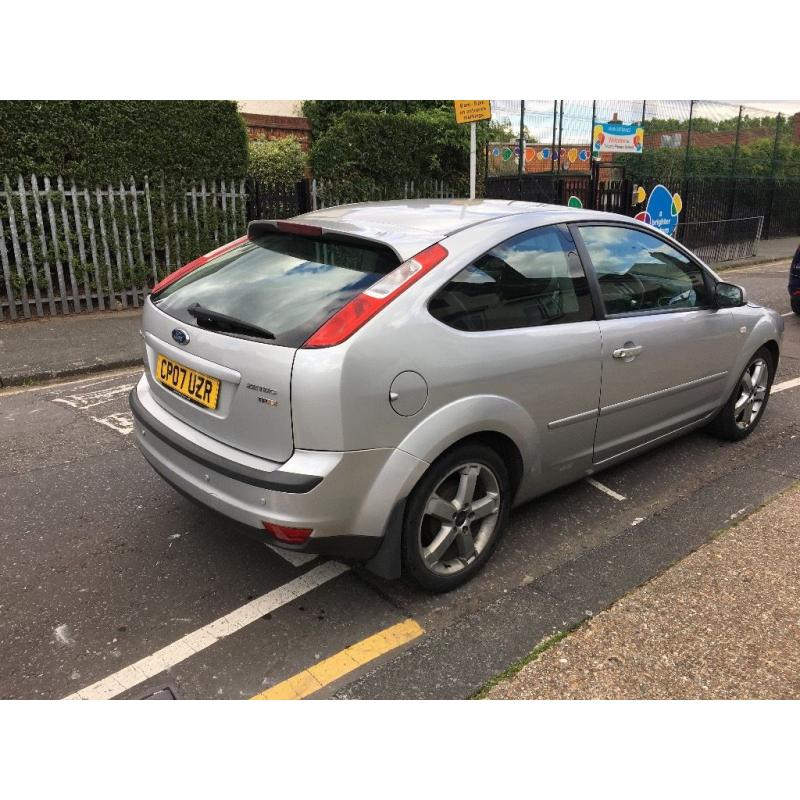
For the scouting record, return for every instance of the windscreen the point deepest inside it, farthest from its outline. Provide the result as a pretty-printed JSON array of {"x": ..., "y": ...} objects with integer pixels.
[{"x": 282, "y": 283}]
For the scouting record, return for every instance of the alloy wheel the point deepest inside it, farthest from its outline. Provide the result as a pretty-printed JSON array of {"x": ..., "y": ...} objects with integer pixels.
[
  {"x": 752, "y": 393},
  {"x": 460, "y": 518}
]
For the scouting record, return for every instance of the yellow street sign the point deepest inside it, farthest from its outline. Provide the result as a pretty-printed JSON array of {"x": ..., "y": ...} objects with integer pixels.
[{"x": 472, "y": 110}]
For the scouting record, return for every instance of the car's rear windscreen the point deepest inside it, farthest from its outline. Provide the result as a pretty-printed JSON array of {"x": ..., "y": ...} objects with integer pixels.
[{"x": 284, "y": 283}]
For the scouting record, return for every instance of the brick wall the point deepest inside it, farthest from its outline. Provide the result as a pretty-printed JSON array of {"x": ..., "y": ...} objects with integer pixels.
[{"x": 273, "y": 127}]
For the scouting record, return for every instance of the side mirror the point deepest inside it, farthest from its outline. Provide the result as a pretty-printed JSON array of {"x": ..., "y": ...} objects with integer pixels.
[{"x": 729, "y": 295}]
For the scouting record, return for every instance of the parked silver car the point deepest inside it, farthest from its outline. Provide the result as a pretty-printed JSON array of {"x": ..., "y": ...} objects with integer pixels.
[{"x": 384, "y": 381}]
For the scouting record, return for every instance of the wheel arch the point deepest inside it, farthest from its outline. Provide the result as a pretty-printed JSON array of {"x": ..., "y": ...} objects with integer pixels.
[
  {"x": 503, "y": 445},
  {"x": 774, "y": 350},
  {"x": 496, "y": 421}
]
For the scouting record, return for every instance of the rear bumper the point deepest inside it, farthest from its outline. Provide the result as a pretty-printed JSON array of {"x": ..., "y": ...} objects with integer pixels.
[{"x": 345, "y": 498}]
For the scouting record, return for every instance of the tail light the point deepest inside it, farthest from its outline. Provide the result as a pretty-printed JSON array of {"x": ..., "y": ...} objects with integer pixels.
[
  {"x": 345, "y": 322},
  {"x": 285, "y": 534},
  {"x": 193, "y": 265}
]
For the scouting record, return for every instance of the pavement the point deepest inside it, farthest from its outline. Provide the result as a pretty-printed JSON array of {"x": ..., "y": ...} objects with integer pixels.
[
  {"x": 723, "y": 623},
  {"x": 778, "y": 249},
  {"x": 113, "y": 585},
  {"x": 58, "y": 347}
]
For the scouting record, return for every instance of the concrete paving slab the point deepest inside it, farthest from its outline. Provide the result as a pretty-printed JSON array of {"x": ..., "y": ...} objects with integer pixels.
[{"x": 723, "y": 623}]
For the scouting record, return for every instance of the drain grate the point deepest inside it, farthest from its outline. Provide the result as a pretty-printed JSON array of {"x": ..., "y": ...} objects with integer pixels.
[{"x": 165, "y": 693}]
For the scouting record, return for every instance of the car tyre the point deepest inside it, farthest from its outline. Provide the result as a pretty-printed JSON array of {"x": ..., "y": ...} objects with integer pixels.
[
  {"x": 742, "y": 412},
  {"x": 795, "y": 301},
  {"x": 455, "y": 517}
]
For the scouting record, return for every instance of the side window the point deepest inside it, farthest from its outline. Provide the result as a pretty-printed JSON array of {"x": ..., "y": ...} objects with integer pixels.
[
  {"x": 639, "y": 272},
  {"x": 526, "y": 281}
]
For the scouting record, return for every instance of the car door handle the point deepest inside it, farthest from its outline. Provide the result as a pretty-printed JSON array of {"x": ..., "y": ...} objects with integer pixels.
[{"x": 628, "y": 352}]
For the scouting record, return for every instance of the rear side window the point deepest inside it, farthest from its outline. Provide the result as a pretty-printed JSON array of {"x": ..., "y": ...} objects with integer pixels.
[
  {"x": 532, "y": 279},
  {"x": 283, "y": 283},
  {"x": 640, "y": 272}
]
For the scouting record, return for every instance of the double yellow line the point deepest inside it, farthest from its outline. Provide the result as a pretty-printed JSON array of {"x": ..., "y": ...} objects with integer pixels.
[{"x": 351, "y": 658}]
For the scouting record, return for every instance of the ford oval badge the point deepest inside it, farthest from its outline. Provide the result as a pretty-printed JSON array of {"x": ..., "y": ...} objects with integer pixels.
[{"x": 180, "y": 336}]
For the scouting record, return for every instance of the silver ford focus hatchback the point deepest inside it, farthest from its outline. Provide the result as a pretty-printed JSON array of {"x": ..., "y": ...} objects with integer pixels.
[{"x": 382, "y": 382}]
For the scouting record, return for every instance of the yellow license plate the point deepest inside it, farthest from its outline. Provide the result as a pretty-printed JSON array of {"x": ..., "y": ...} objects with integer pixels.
[{"x": 193, "y": 385}]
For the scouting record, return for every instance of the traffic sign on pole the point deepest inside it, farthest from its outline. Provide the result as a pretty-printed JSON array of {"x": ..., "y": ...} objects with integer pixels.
[{"x": 472, "y": 111}]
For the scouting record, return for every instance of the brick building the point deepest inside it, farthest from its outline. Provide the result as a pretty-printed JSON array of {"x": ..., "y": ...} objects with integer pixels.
[{"x": 677, "y": 139}]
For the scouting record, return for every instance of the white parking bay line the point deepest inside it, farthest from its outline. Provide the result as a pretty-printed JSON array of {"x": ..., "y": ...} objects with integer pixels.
[
  {"x": 95, "y": 398},
  {"x": 198, "y": 640},
  {"x": 294, "y": 558},
  {"x": 121, "y": 422},
  {"x": 605, "y": 489},
  {"x": 781, "y": 387}
]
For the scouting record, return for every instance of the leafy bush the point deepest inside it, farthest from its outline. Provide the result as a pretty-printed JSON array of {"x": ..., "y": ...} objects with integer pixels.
[
  {"x": 110, "y": 140},
  {"x": 278, "y": 162},
  {"x": 360, "y": 148}
]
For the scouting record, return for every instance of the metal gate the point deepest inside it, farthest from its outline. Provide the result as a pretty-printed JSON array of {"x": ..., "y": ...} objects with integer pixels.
[{"x": 611, "y": 190}]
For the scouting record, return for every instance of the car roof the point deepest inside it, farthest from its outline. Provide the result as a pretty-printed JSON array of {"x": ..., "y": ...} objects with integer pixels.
[{"x": 409, "y": 226}]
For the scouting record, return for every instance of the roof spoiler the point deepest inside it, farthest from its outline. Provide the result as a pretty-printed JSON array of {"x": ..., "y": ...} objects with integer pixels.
[{"x": 262, "y": 227}]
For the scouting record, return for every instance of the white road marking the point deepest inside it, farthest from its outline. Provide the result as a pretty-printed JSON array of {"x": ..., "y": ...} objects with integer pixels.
[
  {"x": 781, "y": 387},
  {"x": 96, "y": 398},
  {"x": 605, "y": 489},
  {"x": 788, "y": 314},
  {"x": 121, "y": 422},
  {"x": 185, "y": 647},
  {"x": 294, "y": 558},
  {"x": 637, "y": 521}
]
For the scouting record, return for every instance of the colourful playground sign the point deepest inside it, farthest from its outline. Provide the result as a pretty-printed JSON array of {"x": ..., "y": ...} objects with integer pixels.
[
  {"x": 614, "y": 137},
  {"x": 663, "y": 209}
]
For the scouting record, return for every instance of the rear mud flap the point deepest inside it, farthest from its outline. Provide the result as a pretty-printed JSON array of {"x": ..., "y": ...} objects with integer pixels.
[{"x": 387, "y": 563}]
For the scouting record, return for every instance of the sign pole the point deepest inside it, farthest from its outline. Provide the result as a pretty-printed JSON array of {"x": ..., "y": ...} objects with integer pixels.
[
  {"x": 473, "y": 145},
  {"x": 471, "y": 111}
]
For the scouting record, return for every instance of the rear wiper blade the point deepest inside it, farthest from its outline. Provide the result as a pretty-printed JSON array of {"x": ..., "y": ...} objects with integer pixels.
[{"x": 214, "y": 318}]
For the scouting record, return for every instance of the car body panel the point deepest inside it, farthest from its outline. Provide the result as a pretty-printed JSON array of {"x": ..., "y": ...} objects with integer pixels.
[
  {"x": 678, "y": 377},
  {"x": 254, "y": 412}
]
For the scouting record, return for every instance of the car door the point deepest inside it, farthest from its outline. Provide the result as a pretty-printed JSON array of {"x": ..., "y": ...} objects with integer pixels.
[
  {"x": 525, "y": 329},
  {"x": 666, "y": 352}
]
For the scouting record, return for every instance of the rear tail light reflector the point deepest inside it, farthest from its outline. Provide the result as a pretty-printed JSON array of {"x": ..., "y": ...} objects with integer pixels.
[{"x": 286, "y": 534}]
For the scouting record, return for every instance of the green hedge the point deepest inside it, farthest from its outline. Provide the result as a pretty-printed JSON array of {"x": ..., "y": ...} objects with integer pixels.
[
  {"x": 360, "y": 148},
  {"x": 109, "y": 140},
  {"x": 323, "y": 113}
]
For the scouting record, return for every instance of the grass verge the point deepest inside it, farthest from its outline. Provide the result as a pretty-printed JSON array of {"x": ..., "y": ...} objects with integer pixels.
[{"x": 511, "y": 671}]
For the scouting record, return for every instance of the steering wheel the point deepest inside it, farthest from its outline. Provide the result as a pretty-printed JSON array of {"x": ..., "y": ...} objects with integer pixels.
[{"x": 631, "y": 289}]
